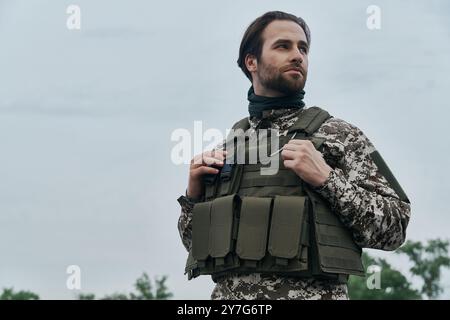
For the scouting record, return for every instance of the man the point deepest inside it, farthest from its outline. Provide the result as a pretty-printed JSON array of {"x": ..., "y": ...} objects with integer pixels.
[{"x": 301, "y": 236}]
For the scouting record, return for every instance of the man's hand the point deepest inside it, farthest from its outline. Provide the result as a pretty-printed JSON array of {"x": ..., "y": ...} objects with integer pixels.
[
  {"x": 308, "y": 163},
  {"x": 200, "y": 165}
]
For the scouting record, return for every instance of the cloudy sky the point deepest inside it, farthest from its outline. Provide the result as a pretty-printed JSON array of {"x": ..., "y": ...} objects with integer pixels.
[{"x": 86, "y": 118}]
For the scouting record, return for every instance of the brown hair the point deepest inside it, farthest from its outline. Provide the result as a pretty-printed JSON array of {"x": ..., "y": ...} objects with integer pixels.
[{"x": 252, "y": 41}]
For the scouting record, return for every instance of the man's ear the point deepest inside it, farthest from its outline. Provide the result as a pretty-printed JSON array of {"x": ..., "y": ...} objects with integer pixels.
[{"x": 251, "y": 63}]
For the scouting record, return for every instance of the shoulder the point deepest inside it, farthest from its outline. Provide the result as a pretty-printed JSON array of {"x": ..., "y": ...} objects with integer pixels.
[
  {"x": 337, "y": 126},
  {"x": 243, "y": 124},
  {"x": 340, "y": 132}
]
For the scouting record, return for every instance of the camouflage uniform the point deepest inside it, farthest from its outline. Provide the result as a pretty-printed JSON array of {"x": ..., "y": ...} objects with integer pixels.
[{"x": 358, "y": 194}]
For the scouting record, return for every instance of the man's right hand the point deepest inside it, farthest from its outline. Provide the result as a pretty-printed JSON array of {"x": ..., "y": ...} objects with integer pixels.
[{"x": 201, "y": 165}]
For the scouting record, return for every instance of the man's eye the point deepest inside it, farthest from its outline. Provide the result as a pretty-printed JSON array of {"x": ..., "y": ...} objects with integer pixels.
[
  {"x": 304, "y": 49},
  {"x": 282, "y": 46}
]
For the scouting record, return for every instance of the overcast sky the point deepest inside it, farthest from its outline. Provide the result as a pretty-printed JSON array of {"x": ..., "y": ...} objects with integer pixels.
[{"x": 86, "y": 118}]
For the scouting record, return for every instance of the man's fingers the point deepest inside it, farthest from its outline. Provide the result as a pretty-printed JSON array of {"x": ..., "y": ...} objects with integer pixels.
[
  {"x": 208, "y": 159},
  {"x": 292, "y": 146},
  {"x": 299, "y": 142},
  {"x": 289, "y": 164},
  {"x": 215, "y": 153},
  {"x": 204, "y": 170},
  {"x": 203, "y": 160},
  {"x": 288, "y": 154},
  {"x": 198, "y": 159}
]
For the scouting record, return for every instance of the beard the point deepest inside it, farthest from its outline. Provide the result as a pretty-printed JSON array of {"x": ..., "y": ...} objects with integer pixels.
[{"x": 272, "y": 78}]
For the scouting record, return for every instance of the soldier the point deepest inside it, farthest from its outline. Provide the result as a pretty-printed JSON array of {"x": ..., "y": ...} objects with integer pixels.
[{"x": 296, "y": 234}]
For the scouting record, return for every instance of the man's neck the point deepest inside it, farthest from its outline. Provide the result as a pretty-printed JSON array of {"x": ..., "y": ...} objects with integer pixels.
[{"x": 264, "y": 92}]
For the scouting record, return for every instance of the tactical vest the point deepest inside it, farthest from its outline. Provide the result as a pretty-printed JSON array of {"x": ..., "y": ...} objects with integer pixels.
[{"x": 270, "y": 224}]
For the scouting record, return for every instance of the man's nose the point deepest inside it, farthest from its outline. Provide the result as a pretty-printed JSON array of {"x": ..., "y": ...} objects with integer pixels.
[{"x": 296, "y": 56}]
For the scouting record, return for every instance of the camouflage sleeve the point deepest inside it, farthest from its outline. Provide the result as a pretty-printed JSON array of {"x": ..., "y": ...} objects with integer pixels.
[
  {"x": 184, "y": 221},
  {"x": 358, "y": 193}
]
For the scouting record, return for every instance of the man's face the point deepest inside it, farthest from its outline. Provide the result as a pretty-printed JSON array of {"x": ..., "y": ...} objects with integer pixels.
[{"x": 283, "y": 66}]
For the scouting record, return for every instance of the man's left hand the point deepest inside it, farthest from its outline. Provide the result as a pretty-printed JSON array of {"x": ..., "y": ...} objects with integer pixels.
[{"x": 308, "y": 163}]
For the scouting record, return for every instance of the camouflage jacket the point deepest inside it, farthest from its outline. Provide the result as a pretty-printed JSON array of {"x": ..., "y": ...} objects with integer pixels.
[{"x": 360, "y": 196}]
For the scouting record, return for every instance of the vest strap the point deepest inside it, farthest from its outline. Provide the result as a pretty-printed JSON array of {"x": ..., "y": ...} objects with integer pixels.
[
  {"x": 310, "y": 120},
  {"x": 242, "y": 124},
  {"x": 386, "y": 172}
]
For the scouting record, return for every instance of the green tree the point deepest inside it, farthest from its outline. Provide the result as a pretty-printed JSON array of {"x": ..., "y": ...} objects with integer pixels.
[
  {"x": 143, "y": 286},
  {"x": 427, "y": 262},
  {"x": 9, "y": 294},
  {"x": 116, "y": 296},
  {"x": 162, "y": 292},
  {"x": 144, "y": 291},
  {"x": 86, "y": 296},
  {"x": 393, "y": 284}
]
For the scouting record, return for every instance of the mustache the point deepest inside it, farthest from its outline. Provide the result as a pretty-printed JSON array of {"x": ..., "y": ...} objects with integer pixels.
[{"x": 293, "y": 66}]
